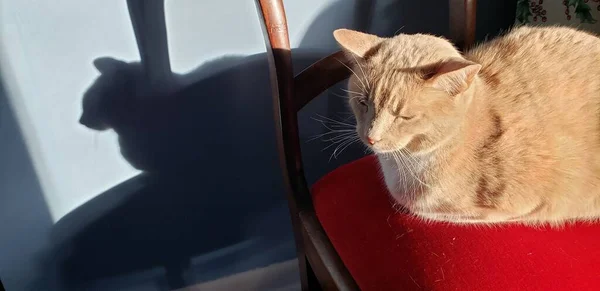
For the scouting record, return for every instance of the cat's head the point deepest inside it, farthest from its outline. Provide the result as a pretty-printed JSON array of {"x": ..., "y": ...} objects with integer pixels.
[
  {"x": 110, "y": 97},
  {"x": 407, "y": 92}
]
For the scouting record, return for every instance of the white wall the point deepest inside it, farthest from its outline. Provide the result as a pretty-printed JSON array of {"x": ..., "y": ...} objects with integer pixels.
[
  {"x": 47, "y": 48},
  {"x": 46, "y": 53}
]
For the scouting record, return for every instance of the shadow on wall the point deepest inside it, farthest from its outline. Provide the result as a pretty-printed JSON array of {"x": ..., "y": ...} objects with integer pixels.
[
  {"x": 212, "y": 169},
  {"x": 212, "y": 173}
]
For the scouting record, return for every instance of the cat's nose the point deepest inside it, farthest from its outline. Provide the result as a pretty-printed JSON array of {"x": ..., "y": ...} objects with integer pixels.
[{"x": 371, "y": 140}]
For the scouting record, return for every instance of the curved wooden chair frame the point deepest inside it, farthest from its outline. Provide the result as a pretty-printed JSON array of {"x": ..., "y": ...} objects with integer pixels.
[{"x": 320, "y": 265}]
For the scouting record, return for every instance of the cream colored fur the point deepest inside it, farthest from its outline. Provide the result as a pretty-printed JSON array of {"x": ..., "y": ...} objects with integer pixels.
[{"x": 509, "y": 131}]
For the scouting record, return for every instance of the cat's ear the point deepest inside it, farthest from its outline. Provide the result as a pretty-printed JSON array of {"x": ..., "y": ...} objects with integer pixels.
[
  {"x": 453, "y": 76},
  {"x": 107, "y": 64},
  {"x": 358, "y": 43}
]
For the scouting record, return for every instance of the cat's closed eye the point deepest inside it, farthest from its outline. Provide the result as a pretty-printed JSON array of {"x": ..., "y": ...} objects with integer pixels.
[
  {"x": 407, "y": 117},
  {"x": 363, "y": 102}
]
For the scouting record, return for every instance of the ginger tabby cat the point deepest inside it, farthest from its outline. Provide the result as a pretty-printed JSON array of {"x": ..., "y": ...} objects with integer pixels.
[{"x": 508, "y": 131}]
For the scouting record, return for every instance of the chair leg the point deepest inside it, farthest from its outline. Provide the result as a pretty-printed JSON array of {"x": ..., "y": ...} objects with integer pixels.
[
  {"x": 308, "y": 278},
  {"x": 311, "y": 277}
]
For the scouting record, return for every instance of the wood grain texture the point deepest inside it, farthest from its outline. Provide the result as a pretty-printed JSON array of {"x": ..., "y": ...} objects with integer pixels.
[{"x": 274, "y": 26}]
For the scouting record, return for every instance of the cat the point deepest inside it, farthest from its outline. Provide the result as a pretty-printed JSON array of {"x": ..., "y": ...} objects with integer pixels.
[
  {"x": 509, "y": 131},
  {"x": 124, "y": 84},
  {"x": 157, "y": 129}
]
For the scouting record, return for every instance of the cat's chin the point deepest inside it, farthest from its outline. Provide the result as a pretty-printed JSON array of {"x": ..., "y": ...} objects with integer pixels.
[
  {"x": 385, "y": 152},
  {"x": 404, "y": 150},
  {"x": 388, "y": 151}
]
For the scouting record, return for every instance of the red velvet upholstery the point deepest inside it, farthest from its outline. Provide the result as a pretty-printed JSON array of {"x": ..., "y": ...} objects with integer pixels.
[{"x": 385, "y": 250}]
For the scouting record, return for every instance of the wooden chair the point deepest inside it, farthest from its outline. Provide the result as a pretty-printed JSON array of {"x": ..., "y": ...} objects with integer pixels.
[
  {"x": 320, "y": 265},
  {"x": 348, "y": 235}
]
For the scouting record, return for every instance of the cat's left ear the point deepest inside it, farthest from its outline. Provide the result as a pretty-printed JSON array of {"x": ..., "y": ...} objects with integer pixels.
[
  {"x": 107, "y": 64},
  {"x": 454, "y": 75},
  {"x": 355, "y": 42}
]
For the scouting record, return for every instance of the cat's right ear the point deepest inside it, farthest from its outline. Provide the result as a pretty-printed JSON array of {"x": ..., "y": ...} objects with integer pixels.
[
  {"x": 107, "y": 64},
  {"x": 355, "y": 42},
  {"x": 453, "y": 76}
]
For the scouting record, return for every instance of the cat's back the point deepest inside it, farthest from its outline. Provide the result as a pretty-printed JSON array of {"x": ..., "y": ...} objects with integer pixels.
[
  {"x": 541, "y": 71},
  {"x": 541, "y": 90},
  {"x": 538, "y": 56}
]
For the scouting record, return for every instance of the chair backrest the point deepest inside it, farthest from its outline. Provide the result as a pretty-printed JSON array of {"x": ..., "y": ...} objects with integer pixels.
[{"x": 291, "y": 93}]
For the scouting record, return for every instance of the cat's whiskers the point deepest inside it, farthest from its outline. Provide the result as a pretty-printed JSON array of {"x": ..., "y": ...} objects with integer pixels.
[
  {"x": 402, "y": 173},
  {"x": 411, "y": 168},
  {"x": 339, "y": 95},
  {"x": 361, "y": 89},
  {"x": 339, "y": 137},
  {"x": 363, "y": 72},
  {"x": 364, "y": 86},
  {"x": 331, "y": 132},
  {"x": 422, "y": 166},
  {"x": 349, "y": 98},
  {"x": 396, "y": 32},
  {"x": 417, "y": 184},
  {"x": 345, "y": 96},
  {"x": 342, "y": 146},
  {"x": 341, "y": 134},
  {"x": 333, "y": 121},
  {"x": 408, "y": 186},
  {"x": 361, "y": 94},
  {"x": 339, "y": 141},
  {"x": 333, "y": 127},
  {"x": 349, "y": 115},
  {"x": 353, "y": 95}
]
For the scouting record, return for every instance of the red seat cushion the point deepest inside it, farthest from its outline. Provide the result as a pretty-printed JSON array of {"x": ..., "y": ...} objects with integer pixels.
[{"x": 387, "y": 250}]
